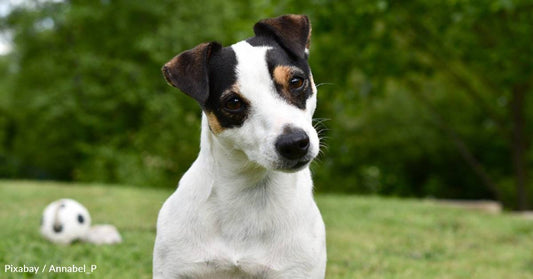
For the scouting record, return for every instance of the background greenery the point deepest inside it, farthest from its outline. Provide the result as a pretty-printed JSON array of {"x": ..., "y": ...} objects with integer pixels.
[
  {"x": 367, "y": 237},
  {"x": 422, "y": 97}
]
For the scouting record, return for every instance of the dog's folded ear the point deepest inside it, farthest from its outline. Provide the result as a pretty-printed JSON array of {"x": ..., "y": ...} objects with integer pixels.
[
  {"x": 292, "y": 32},
  {"x": 188, "y": 71}
]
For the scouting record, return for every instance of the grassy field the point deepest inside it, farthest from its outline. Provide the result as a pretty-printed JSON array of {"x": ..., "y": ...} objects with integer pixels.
[{"x": 368, "y": 237}]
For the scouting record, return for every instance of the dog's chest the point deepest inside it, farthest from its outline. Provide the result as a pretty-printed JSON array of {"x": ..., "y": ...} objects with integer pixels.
[
  {"x": 261, "y": 233},
  {"x": 250, "y": 217},
  {"x": 250, "y": 253},
  {"x": 230, "y": 263},
  {"x": 249, "y": 233}
]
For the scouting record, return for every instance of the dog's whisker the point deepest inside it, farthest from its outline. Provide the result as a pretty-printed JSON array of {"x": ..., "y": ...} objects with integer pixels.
[
  {"x": 320, "y": 127},
  {"x": 322, "y": 131},
  {"x": 324, "y": 83},
  {"x": 320, "y": 120}
]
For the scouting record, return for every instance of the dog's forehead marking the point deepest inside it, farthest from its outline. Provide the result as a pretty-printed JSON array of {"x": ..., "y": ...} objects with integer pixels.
[
  {"x": 252, "y": 69},
  {"x": 261, "y": 71},
  {"x": 281, "y": 67}
]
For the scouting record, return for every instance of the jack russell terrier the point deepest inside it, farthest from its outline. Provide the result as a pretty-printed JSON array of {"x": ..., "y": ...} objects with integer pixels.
[{"x": 245, "y": 207}]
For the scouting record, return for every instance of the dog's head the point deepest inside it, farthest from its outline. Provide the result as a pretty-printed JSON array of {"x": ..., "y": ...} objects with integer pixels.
[{"x": 258, "y": 95}]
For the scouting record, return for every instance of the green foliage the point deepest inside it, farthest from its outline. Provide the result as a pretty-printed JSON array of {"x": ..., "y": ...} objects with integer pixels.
[
  {"x": 408, "y": 75},
  {"x": 404, "y": 85},
  {"x": 95, "y": 107}
]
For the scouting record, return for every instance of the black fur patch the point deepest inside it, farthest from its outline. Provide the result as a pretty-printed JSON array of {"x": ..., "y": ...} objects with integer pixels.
[
  {"x": 278, "y": 56},
  {"x": 207, "y": 72},
  {"x": 222, "y": 84}
]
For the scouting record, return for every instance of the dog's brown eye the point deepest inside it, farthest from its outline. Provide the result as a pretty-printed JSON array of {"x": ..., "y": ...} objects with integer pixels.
[
  {"x": 234, "y": 104},
  {"x": 296, "y": 83}
]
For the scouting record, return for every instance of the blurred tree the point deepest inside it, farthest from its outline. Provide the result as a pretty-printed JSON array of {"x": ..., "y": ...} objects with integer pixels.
[
  {"x": 477, "y": 51},
  {"x": 6, "y": 120},
  {"x": 87, "y": 98},
  {"x": 425, "y": 98}
]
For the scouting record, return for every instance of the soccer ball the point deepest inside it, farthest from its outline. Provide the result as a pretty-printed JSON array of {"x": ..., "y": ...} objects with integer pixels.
[{"x": 65, "y": 221}]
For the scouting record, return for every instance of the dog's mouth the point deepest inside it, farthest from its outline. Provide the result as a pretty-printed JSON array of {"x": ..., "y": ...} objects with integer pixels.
[
  {"x": 300, "y": 164},
  {"x": 293, "y": 166}
]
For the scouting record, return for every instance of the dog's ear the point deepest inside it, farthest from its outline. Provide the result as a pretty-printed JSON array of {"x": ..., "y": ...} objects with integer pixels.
[
  {"x": 292, "y": 32},
  {"x": 188, "y": 71}
]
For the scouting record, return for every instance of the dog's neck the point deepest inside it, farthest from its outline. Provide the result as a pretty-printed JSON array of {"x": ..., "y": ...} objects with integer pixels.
[
  {"x": 232, "y": 170},
  {"x": 228, "y": 164}
]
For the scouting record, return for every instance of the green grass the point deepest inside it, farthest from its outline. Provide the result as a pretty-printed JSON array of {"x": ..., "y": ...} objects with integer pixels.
[{"x": 368, "y": 237}]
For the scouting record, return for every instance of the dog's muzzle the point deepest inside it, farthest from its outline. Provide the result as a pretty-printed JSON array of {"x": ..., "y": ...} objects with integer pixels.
[{"x": 293, "y": 147}]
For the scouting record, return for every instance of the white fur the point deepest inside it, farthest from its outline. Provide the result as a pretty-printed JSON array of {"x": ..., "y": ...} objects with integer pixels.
[{"x": 235, "y": 216}]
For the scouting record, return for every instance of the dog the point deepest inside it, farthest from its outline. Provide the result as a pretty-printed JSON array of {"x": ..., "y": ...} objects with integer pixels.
[{"x": 245, "y": 207}]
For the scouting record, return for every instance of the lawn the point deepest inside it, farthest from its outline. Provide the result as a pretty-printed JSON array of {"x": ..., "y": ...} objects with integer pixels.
[{"x": 368, "y": 237}]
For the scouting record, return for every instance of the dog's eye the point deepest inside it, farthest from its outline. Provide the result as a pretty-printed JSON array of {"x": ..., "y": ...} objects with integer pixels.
[
  {"x": 233, "y": 104},
  {"x": 296, "y": 83}
]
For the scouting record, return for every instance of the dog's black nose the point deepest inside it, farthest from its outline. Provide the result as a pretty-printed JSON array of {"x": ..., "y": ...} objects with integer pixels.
[{"x": 293, "y": 144}]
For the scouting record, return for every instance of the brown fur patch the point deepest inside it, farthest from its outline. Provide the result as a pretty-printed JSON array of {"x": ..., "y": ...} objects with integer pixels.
[
  {"x": 302, "y": 20},
  {"x": 188, "y": 71},
  {"x": 282, "y": 74},
  {"x": 293, "y": 31},
  {"x": 214, "y": 124}
]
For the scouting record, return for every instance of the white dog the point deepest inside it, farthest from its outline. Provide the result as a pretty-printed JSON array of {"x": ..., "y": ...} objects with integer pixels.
[{"x": 245, "y": 208}]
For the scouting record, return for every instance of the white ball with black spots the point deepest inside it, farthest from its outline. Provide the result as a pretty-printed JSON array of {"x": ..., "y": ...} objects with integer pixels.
[{"x": 65, "y": 221}]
